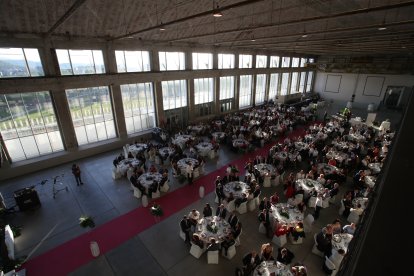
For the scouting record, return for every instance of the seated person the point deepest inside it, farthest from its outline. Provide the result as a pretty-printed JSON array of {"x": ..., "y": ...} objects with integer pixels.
[
  {"x": 197, "y": 241},
  {"x": 336, "y": 227},
  {"x": 221, "y": 212},
  {"x": 194, "y": 216},
  {"x": 213, "y": 246},
  {"x": 349, "y": 229},
  {"x": 153, "y": 169},
  {"x": 237, "y": 230},
  {"x": 229, "y": 241},
  {"x": 207, "y": 211},
  {"x": 274, "y": 199},
  {"x": 284, "y": 255},
  {"x": 233, "y": 220},
  {"x": 267, "y": 252},
  {"x": 250, "y": 261},
  {"x": 240, "y": 200},
  {"x": 302, "y": 206},
  {"x": 298, "y": 231},
  {"x": 264, "y": 204},
  {"x": 358, "y": 210},
  {"x": 334, "y": 191},
  {"x": 299, "y": 270}
]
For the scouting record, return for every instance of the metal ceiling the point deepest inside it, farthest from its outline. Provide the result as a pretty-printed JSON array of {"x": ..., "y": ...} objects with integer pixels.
[{"x": 317, "y": 27}]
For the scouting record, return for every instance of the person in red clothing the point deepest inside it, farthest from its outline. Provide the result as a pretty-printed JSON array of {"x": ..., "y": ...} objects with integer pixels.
[
  {"x": 274, "y": 199},
  {"x": 332, "y": 162}
]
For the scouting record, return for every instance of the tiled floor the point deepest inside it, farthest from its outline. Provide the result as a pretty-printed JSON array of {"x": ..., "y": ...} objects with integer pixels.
[{"x": 156, "y": 251}]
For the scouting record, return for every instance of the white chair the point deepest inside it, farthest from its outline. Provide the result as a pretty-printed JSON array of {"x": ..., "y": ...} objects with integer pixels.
[
  {"x": 298, "y": 199},
  {"x": 242, "y": 209},
  {"x": 279, "y": 241},
  {"x": 182, "y": 234},
  {"x": 216, "y": 199},
  {"x": 165, "y": 187},
  {"x": 308, "y": 223},
  {"x": 251, "y": 205},
  {"x": 156, "y": 194},
  {"x": 266, "y": 181},
  {"x": 330, "y": 266},
  {"x": 292, "y": 240},
  {"x": 353, "y": 217},
  {"x": 342, "y": 208},
  {"x": 116, "y": 174},
  {"x": 315, "y": 249},
  {"x": 312, "y": 202},
  {"x": 257, "y": 200},
  {"x": 262, "y": 228},
  {"x": 195, "y": 250},
  {"x": 137, "y": 192},
  {"x": 325, "y": 202},
  {"x": 144, "y": 201},
  {"x": 230, "y": 206},
  {"x": 231, "y": 252},
  {"x": 213, "y": 257},
  {"x": 130, "y": 172}
]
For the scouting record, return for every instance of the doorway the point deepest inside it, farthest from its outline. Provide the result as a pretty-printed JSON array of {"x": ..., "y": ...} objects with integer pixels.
[{"x": 392, "y": 97}]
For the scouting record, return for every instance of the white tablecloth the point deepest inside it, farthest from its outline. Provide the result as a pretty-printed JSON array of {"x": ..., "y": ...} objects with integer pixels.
[
  {"x": 237, "y": 188},
  {"x": 375, "y": 167},
  {"x": 240, "y": 143},
  {"x": 181, "y": 140},
  {"x": 268, "y": 267},
  {"x": 339, "y": 156},
  {"x": 356, "y": 137},
  {"x": 183, "y": 163},
  {"x": 197, "y": 128},
  {"x": 204, "y": 148},
  {"x": 166, "y": 151},
  {"x": 309, "y": 185},
  {"x": 356, "y": 121},
  {"x": 294, "y": 215},
  {"x": 219, "y": 135},
  {"x": 370, "y": 180},
  {"x": 341, "y": 241},
  {"x": 344, "y": 145},
  {"x": 223, "y": 229},
  {"x": 327, "y": 169},
  {"x": 281, "y": 155},
  {"x": 264, "y": 168},
  {"x": 137, "y": 148},
  {"x": 123, "y": 165},
  {"x": 301, "y": 146},
  {"x": 360, "y": 200},
  {"x": 146, "y": 179}
]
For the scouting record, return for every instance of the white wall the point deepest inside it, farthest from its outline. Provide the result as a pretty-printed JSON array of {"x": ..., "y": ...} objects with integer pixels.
[{"x": 369, "y": 88}]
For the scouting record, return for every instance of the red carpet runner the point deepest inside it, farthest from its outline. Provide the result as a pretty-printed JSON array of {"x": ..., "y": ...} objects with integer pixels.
[{"x": 71, "y": 255}]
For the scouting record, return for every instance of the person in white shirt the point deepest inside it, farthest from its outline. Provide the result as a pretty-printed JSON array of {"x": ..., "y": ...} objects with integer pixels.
[
  {"x": 358, "y": 210},
  {"x": 189, "y": 170},
  {"x": 337, "y": 256},
  {"x": 349, "y": 229},
  {"x": 321, "y": 179}
]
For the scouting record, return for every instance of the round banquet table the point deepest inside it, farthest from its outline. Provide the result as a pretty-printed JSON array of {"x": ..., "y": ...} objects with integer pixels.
[
  {"x": 146, "y": 179},
  {"x": 264, "y": 168},
  {"x": 294, "y": 215},
  {"x": 356, "y": 137},
  {"x": 301, "y": 146},
  {"x": 197, "y": 128},
  {"x": 204, "y": 148},
  {"x": 181, "y": 140},
  {"x": 360, "y": 200},
  {"x": 370, "y": 180},
  {"x": 254, "y": 122},
  {"x": 309, "y": 185},
  {"x": 327, "y": 169},
  {"x": 219, "y": 135},
  {"x": 341, "y": 241},
  {"x": 137, "y": 148},
  {"x": 123, "y": 165},
  {"x": 281, "y": 155},
  {"x": 344, "y": 145},
  {"x": 240, "y": 143},
  {"x": 237, "y": 188},
  {"x": 375, "y": 167},
  {"x": 222, "y": 226},
  {"x": 183, "y": 163},
  {"x": 166, "y": 151},
  {"x": 337, "y": 155},
  {"x": 270, "y": 268}
]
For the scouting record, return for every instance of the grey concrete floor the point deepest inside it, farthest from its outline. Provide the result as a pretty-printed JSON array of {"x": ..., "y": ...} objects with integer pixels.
[{"x": 159, "y": 250}]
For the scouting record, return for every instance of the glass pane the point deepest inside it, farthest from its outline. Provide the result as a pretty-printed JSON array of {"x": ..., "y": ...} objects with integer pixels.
[
  {"x": 225, "y": 61},
  {"x": 171, "y": 61},
  {"x": 202, "y": 61},
  {"x": 43, "y": 143},
  {"x": 261, "y": 61},
  {"x": 82, "y": 62},
  {"x": 273, "y": 88},
  {"x": 294, "y": 83},
  {"x": 64, "y": 62},
  {"x": 203, "y": 90},
  {"x": 226, "y": 88},
  {"x": 29, "y": 146},
  {"x": 245, "y": 91},
  {"x": 55, "y": 141},
  {"x": 81, "y": 135},
  {"x": 295, "y": 62},
  {"x": 15, "y": 149},
  {"x": 120, "y": 61},
  {"x": 13, "y": 63},
  {"x": 91, "y": 133},
  {"x": 274, "y": 61},
  {"x": 174, "y": 94},
  {"x": 284, "y": 84},
  {"x": 34, "y": 63},
  {"x": 260, "y": 88},
  {"x": 245, "y": 61}
]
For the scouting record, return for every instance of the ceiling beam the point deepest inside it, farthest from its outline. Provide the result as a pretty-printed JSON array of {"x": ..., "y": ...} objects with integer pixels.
[
  {"x": 68, "y": 13},
  {"x": 181, "y": 20},
  {"x": 304, "y": 20}
]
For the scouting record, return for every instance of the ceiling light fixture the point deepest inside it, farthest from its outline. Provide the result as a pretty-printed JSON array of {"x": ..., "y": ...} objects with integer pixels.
[
  {"x": 304, "y": 35},
  {"x": 216, "y": 11},
  {"x": 382, "y": 28}
]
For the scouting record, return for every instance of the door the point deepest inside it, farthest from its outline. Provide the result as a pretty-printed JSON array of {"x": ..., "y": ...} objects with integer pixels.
[{"x": 392, "y": 96}]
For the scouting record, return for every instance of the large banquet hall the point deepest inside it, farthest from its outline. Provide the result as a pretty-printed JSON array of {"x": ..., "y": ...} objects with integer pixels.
[{"x": 224, "y": 137}]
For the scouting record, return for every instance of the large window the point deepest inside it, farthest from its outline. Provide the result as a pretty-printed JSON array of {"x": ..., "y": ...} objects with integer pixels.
[
  {"x": 203, "y": 90},
  {"x": 273, "y": 87},
  {"x": 302, "y": 62},
  {"x": 245, "y": 97},
  {"x": 202, "y": 61},
  {"x": 285, "y": 62},
  {"x": 309, "y": 83},
  {"x": 302, "y": 82},
  {"x": 294, "y": 83},
  {"x": 295, "y": 62},
  {"x": 245, "y": 61},
  {"x": 170, "y": 61},
  {"x": 261, "y": 61},
  {"x": 139, "y": 109},
  {"x": 80, "y": 62},
  {"x": 132, "y": 61},
  {"x": 260, "y": 88},
  {"x": 226, "y": 88},
  {"x": 91, "y": 112},
  {"x": 174, "y": 94},
  {"x": 28, "y": 125},
  {"x": 274, "y": 61},
  {"x": 18, "y": 62},
  {"x": 225, "y": 61},
  {"x": 284, "y": 85}
]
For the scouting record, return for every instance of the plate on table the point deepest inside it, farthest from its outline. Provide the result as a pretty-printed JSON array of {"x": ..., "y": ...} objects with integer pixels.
[{"x": 337, "y": 238}]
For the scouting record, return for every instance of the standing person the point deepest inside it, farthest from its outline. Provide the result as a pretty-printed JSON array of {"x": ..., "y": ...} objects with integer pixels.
[{"x": 77, "y": 173}]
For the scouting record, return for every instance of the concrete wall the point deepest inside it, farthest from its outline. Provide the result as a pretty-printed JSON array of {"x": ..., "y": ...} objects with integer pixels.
[{"x": 368, "y": 88}]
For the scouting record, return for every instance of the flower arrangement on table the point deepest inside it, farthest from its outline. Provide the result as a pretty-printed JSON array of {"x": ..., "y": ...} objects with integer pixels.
[
  {"x": 212, "y": 227},
  {"x": 156, "y": 210},
  {"x": 86, "y": 221},
  {"x": 237, "y": 187},
  {"x": 309, "y": 184},
  {"x": 284, "y": 213}
]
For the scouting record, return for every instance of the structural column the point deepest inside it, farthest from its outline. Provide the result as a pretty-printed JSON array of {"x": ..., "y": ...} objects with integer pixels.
[
  {"x": 116, "y": 94},
  {"x": 267, "y": 87},
  {"x": 236, "y": 83},
  {"x": 59, "y": 98},
  {"x": 159, "y": 106},
  {"x": 254, "y": 81},
  {"x": 216, "y": 85},
  {"x": 190, "y": 86}
]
